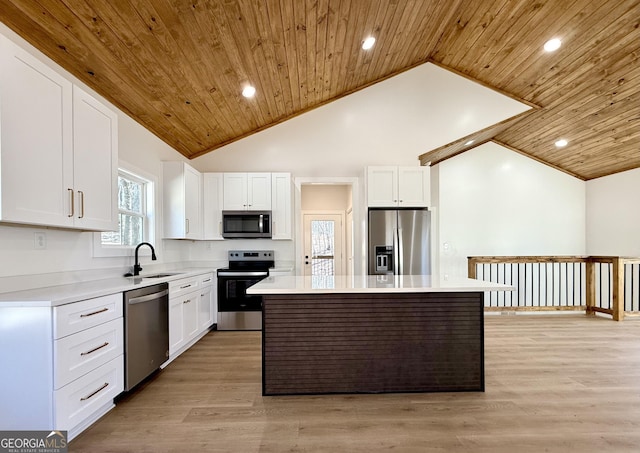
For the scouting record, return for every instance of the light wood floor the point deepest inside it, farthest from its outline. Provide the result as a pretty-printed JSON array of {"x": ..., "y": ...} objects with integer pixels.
[{"x": 553, "y": 384}]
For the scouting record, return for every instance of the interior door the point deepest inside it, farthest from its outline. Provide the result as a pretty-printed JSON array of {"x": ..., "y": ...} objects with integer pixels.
[{"x": 323, "y": 244}]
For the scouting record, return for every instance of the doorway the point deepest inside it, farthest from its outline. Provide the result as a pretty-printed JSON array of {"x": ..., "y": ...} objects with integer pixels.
[
  {"x": 326, "y": 196},
  {"x": 323, "y": 244}
]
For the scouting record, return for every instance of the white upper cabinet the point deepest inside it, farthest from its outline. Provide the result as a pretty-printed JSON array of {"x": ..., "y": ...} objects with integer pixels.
[
  {"x": 182, "y": 201},
  {"x": 36, "y": 140},
  {"x": 382, "y": 186},
  {"x": 212, "y": 200},
  {"x": 247, "y": 192},
  {"x": 392, "y": 186},
  {"x": 414, "y": 187},
  {"x": 58, "y": 148},
  {"x": 95, "y": 163},
  {"x": 281, "y": 206}
]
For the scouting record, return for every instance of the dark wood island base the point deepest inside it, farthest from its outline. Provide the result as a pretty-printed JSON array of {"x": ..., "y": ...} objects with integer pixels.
[{"x": 372, "y": 343}]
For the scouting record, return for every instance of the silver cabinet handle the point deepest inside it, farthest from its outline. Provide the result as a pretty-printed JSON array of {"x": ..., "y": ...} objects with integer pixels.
[
  {"x": 84, "y": 315},
  {"x": 148, "y": 297},
  {"x": 81, "y": 193},
  {"x": 186, "y": 286},
  {"x": 187, "y": 224},
  {"x": 106, "y": 343},
  {"x": 72, "y": 202},
  {"x": 84, "y": 398},
  {"x": 186, "y": 301},
  {"x": 207, "y": 280}
]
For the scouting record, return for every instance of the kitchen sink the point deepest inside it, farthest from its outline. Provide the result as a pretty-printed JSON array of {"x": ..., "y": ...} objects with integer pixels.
[{"x": 166, "y": 274}]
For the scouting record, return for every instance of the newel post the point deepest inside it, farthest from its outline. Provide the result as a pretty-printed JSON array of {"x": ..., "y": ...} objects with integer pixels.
[
  {"x": 471, "y": 267},
  {"x": 618, "y": 289}
]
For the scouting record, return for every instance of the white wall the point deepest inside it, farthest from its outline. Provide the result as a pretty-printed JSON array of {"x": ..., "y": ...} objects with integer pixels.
[
  {"x": 492, "y": 201},
  {"x": 613, "y": 215},
  {"x": 389, "y": 123},
  {"x": 325, "y": 196}
]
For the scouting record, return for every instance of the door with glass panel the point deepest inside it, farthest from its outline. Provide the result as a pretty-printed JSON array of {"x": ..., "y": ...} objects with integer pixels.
[{"x": 323, "y": 245}]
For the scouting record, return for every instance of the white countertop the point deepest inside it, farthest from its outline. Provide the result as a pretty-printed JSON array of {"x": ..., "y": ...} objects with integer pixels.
[
  {"x": 53, "y": 296},
  {"x": 371, "y": 284}
]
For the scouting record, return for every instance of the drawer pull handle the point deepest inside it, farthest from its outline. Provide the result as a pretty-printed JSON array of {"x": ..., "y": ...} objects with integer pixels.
[
  {"x": 106, "y": 343},
  {"x": 186, "y": 301},
  {"x": 207, "y": 280},
  {"x": 185, "y": 286},
  {"x": 84, "y": 398},
  {"x": 84, "y": 315}
]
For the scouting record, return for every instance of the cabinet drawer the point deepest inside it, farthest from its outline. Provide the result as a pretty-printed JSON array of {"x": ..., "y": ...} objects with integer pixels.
[
  {"x": 72, "y": 318},
  {"x": 77, "y": 354},
  {"x": 206, "y": 280},
  {"x": 76, "y": 401},
  {"x": 183, "y": 286}
]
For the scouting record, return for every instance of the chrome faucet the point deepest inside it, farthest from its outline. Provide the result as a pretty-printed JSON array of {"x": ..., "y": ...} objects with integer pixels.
[{"x": 136, "y": 267}]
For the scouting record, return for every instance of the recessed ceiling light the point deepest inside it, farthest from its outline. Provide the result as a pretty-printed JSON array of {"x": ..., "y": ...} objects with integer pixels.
[
  {"x": 249, "y": 91},
  {"x": 552, "y": 45},
  {"x": 469, "y": 143},
  {"x": 368, "y": 43},
  {"x": 561, "y": 143}
]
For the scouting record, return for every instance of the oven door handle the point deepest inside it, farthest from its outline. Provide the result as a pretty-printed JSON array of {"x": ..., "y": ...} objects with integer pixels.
[{"x": 243, "y": 274}]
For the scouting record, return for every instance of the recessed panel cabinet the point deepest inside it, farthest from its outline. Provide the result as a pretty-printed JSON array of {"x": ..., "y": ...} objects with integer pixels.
[
  {"x": 247, "y": 191},
  {"x": 281, "y": 206},
  {"x": 64, "y": 364},
  {"x": 95, "y": 163},
  {"x": 182, "y": 189},
  {"x": 391, "y": 186},
  {"x": 58, "y": 148},
  {"x": 212, "y": 200},
  {"x": 192, "y": 311}
]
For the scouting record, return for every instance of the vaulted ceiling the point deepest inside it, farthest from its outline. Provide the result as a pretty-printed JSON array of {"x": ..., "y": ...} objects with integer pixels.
[{"x": 178, "y": 67}]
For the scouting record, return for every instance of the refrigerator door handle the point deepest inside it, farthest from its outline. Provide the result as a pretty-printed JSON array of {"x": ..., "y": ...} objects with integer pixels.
[
  {"x": 396, "y": 252},
  {"x": 400, "y": 252}
]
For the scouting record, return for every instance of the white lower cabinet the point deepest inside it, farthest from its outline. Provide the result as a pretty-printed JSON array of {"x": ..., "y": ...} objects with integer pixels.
[
  {"x": 67, "y": 364},
  {"x": 191, "y": 312},
  {"x": 78, "y": 402}
]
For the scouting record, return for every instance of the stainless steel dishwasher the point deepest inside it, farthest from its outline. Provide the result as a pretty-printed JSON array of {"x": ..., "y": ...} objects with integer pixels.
[{"x": 146, "y": 332}]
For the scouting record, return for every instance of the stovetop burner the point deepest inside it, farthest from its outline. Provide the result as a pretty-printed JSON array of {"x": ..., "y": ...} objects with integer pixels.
[{"x": 247, "y": 260}]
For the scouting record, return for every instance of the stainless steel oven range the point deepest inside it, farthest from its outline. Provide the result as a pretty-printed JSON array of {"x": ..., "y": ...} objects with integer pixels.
[{"x": 236, "y": 309}]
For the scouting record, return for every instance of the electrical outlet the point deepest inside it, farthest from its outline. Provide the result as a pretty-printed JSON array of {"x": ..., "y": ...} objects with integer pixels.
[{"x": 40, "y": 241}]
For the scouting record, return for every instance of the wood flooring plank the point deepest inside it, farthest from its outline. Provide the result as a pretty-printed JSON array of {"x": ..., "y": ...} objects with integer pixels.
[{"x": 564, "y": 383}]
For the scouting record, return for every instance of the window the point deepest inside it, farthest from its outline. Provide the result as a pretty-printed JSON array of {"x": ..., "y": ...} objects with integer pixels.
[{"x": 135, "y": 203}]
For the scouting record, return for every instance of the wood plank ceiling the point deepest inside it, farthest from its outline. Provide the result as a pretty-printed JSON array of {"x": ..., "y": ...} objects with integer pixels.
[{"x": 178, "y": 67}]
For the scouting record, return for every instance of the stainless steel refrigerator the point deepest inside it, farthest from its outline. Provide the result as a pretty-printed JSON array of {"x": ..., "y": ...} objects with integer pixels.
[{"x": 399, "y": 241}]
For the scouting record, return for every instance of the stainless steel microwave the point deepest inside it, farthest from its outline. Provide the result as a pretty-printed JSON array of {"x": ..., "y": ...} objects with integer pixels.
[{"x": 246, "y": 224}]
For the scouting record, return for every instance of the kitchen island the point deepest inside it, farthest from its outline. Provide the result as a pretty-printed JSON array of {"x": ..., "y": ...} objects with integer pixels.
[{"x": 372, "y": 334}]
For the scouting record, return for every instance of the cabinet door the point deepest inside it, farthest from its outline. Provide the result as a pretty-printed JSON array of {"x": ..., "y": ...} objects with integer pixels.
[
  {"x": 382, "y": 187},
  {"x": 190, "y": 303},
  {"x": 36, "y": 177},
  {"x": 205, "y": 309},
  {"x": 193, "y": 203},
  {"x": 282, "y": 221},
  {"x": 176, "y": 325},
  {"x": 181, "y": 201},
  {"x": 259, "y": 191},
  {"x": 212, "y": 201},
  {"x": 95, "y": 159},
  {"x": 235, "y": 191},
  {"x": 414, "y": 187}
]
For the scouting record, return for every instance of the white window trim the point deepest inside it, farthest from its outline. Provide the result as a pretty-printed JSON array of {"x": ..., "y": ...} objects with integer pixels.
[{"x": 102, "y": 251}]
